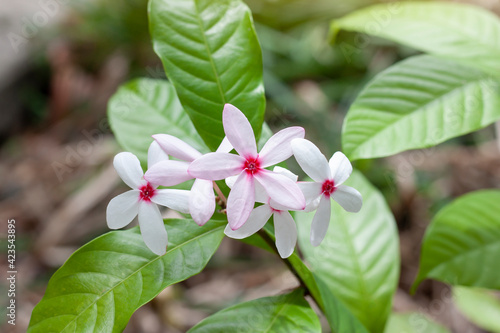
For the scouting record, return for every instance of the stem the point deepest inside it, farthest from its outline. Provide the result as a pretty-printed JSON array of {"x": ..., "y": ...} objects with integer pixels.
[
  {"x": 272, "y": 245},
  {"x": 221, "y": 195},
  {"x": 305, "y": 277}
]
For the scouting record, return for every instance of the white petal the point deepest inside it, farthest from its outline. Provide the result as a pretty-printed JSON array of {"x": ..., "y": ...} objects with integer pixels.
[
  {"x": 176, "y": 147},
  {"x": 281, "y": 189},
  {"x": 349, "y": 198},
  {"x": 225, "y": 146},
  {"x": 321, "y": 221},
  {"x": 129, "y": 169},
  {"x": 285, "y": 172},
  {"x": 313, "y": 205},
  {"x": 256, "y": 221},
  {"x": 311, "y": 190},
  {"x": 261, "y": 194},
  {"x": 231, "y": 180},
  {"x": 239, "y": 132},
  {"x": 156, "y": 154},
  {"x": 174, "y": 199},
  {"x": 278, "y": 148},
  {"x": 286, "y": 233},
  {"x": 311, "y": 160},
  {"x": 168, "y": 173},
  {"x": 152, "y": 228},
  {"x": 240, "y": 201},
  {"x": 122, "y": 209},
  {"x": 340, "y": 167},
  {"x": 202, "y": 201}
]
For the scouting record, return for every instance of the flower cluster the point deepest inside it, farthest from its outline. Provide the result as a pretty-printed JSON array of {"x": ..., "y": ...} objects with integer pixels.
[{"x": 245, "y": 173}]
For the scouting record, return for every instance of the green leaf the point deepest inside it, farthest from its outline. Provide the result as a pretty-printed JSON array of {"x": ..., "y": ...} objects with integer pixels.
[
  {"x": 105, "y": 281},
  {"x": 419, "y": 103},
  {"x": 339, "y": 317},
  {"x": 359, "y": 257},
  {"x": 283, "y": 313},
  {"x": 212, "y": 56},
  {"x": 462, "y": 243},
  {"x": 143, "y": 107},
  {"x": 480, "y": 306},
  {"x": 464, "y": 33},
  {"x": 412, "y": 323}
]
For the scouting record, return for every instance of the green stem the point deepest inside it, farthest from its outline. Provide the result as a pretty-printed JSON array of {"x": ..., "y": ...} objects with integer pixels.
[{"x": 298, "y": 268}]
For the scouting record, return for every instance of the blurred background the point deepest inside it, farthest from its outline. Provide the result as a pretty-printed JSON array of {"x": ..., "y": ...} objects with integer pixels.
[{"x": 60, "y": 61}]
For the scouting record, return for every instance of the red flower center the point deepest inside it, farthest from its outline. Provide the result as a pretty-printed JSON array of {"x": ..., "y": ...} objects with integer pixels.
[
  {"x": 328, "y": 187},
  {"x": 147, "y": 192},
  {"x": 252, "y": 165}
]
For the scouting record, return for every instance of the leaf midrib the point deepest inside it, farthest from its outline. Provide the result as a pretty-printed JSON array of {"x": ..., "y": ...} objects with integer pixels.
[
  {"x": 282, "y": 307},
  {"x": 209, "y": 52},
  {"x": 132, "y": 274},
  {"x": 456, "y": 257},
  {"x": 412, "y": 113}
]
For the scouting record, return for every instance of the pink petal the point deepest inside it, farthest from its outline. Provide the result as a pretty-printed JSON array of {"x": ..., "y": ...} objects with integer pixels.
[
  {"x": 240, "y": 201},
  {"x": 156, "y": 154},
  {"x": 321, "y": 221},
  {"x": 281, "y": 189},
  {"x": 278, "y": 148},
  {"x": 129, "y": 169},
  {"x": 239, "y": 131},
  {"x": 216, "y": 166},
  {"x": 286, "y": 233},
  {"x": 349, "y": 198},
  {"x": 256, "y": 221},
  {"x": 168, "y": 173},
  {"x": 174, "y": 199},
  {"x": 122, "y": 209},
  {"x": 176, "y": 147},
  {"x": 311, "y": 160},
  {"x": 225, "y": 146},
  {"x": 340, "y": 167},
  {"x": 202, "y": 201},
  {"x": 152, "y": 228}
]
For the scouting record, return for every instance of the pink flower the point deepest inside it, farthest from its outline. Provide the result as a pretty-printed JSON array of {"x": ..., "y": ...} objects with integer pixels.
[
  {"x": 328, "y": 178},
  {"x": 143, "y": 199},
  {"x": 285, "y": 229},
  {"x": 168, "y": 173},
  {"x": 250, "y": 166}
]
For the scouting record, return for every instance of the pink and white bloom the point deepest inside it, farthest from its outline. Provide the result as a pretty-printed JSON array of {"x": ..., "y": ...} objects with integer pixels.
[
  {"x": 143, "y": 199},
  {"x": 327, "y": 183},
  {"x": 250, "y": 166},
  {"x": 166, "y": 173},
  {"x": 285, "y": 229}
]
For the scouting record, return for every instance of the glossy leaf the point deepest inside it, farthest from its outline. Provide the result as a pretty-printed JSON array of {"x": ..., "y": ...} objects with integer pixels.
[
  {"x": 462, "y": 243},
  {"x": 143, "y": 107},
  {"x": 480, "y": 306},
  {"x": 359, "y": 258},
  {"x": 105, "y": 281},
  {"x": 419, "y": 103},
  {"x": 413, "y": 322},
  {"x": 283, "y": 313},
  {"x": 212, "y": 56},
  {"x": 464, "y": 33},
  {"x": 339, "y": 317}
]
